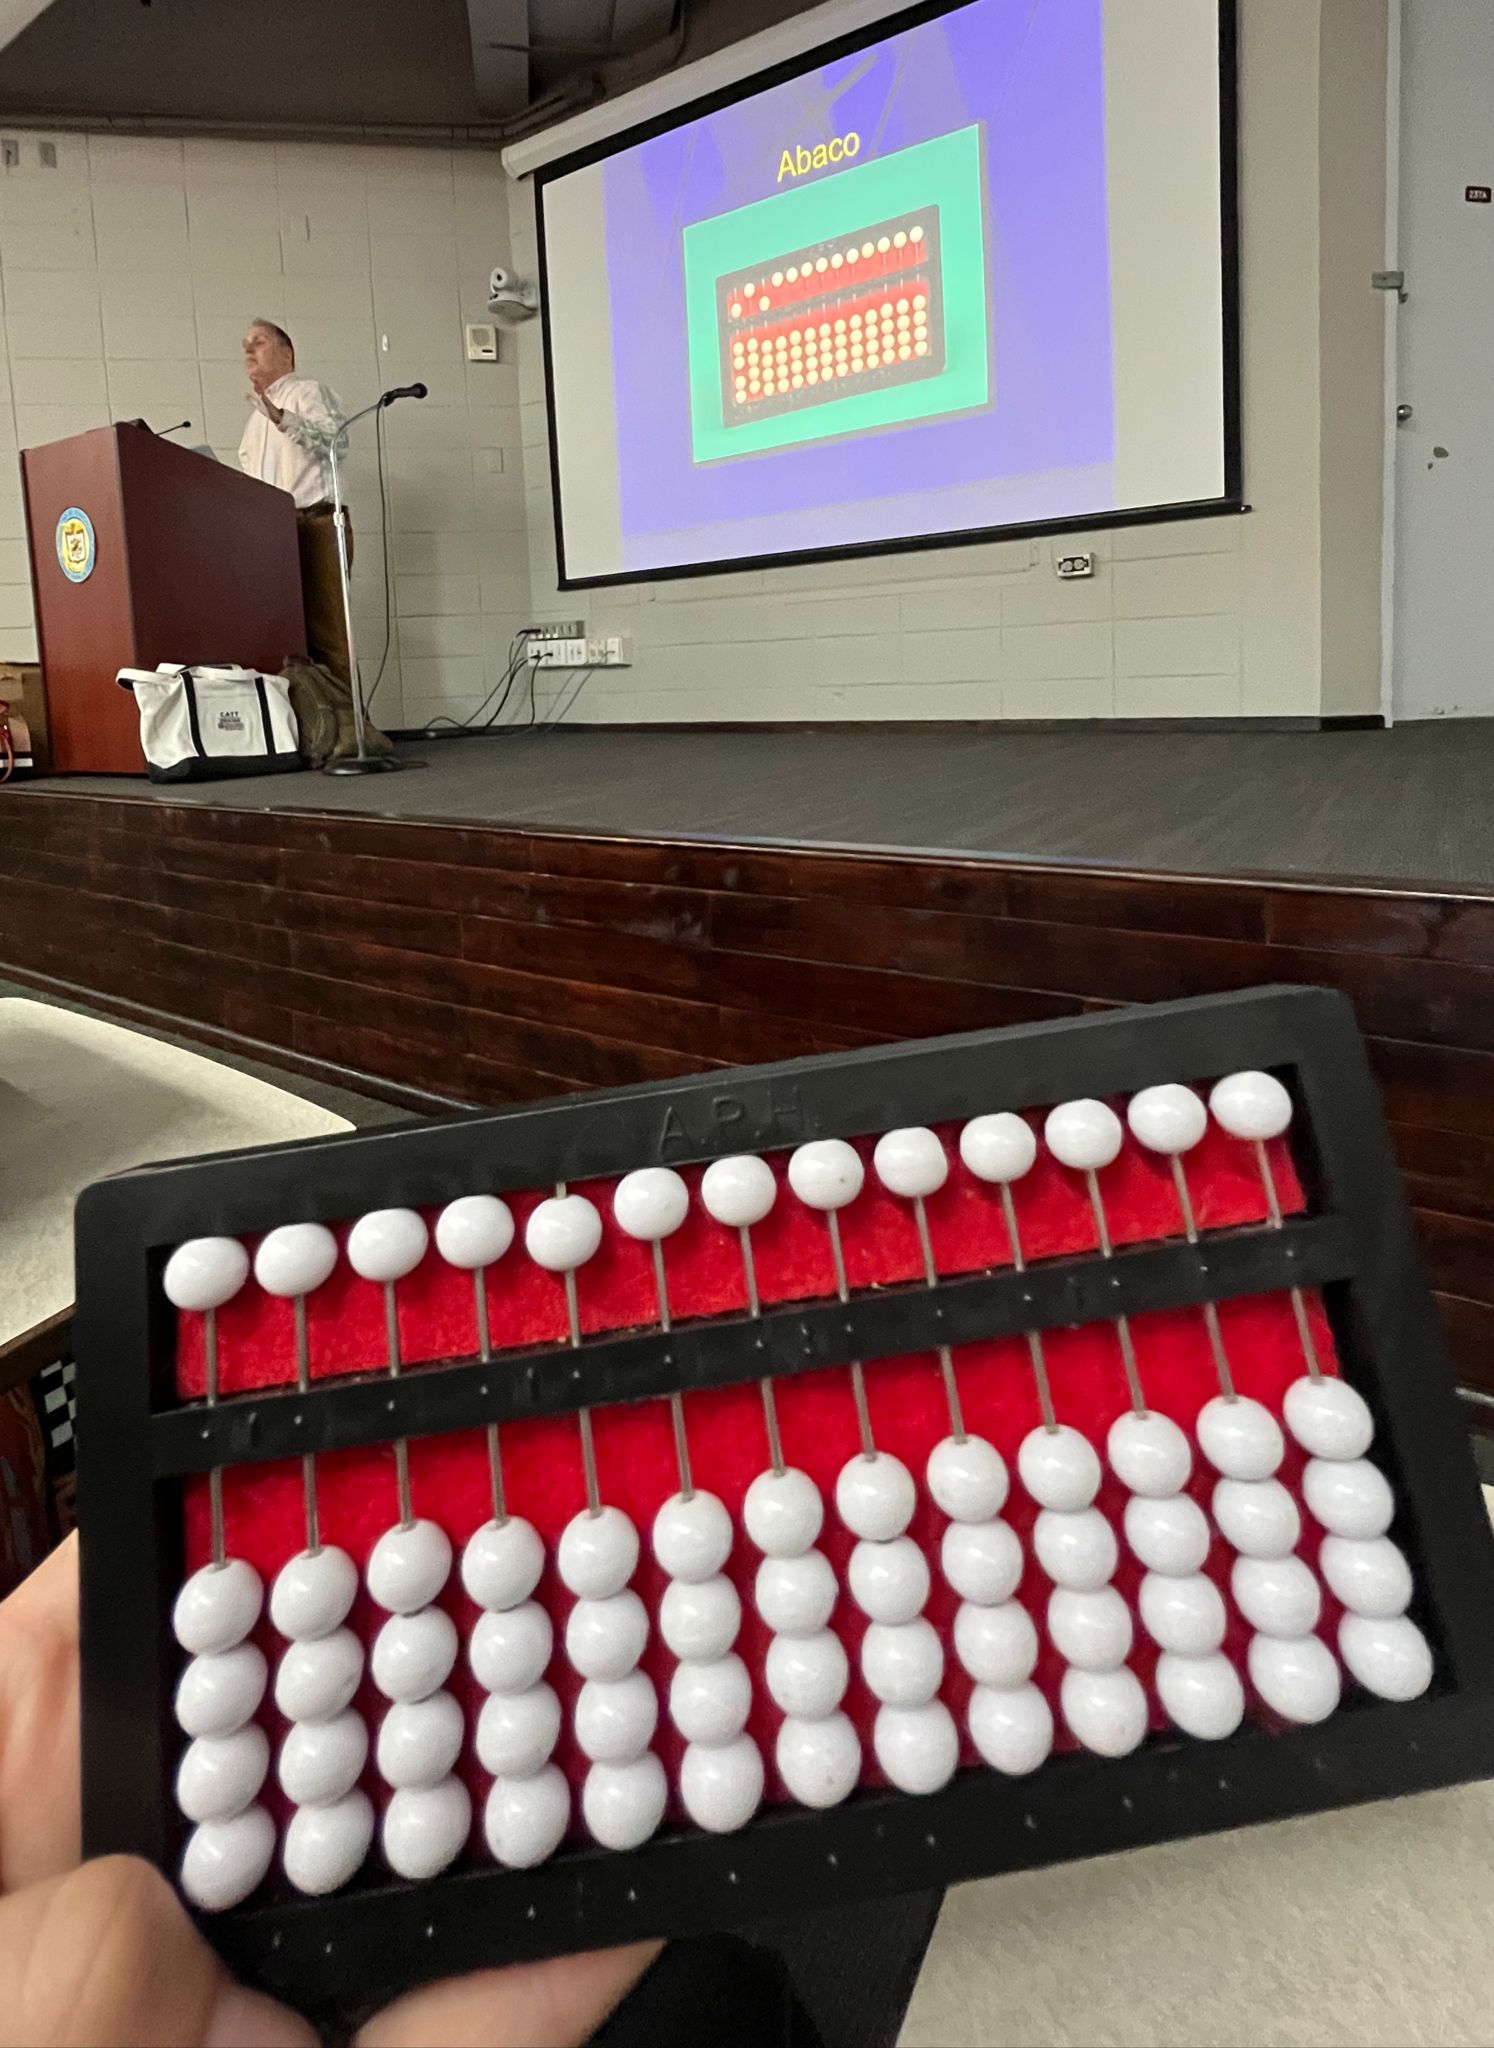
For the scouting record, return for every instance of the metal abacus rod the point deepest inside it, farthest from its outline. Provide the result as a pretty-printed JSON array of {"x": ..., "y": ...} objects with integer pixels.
[
  {"x": 220, "y": 1776},
  {"x": 1349, "y": 1497},
  {"x": 426, "y": 1823},
  {"x": 623, "y": 1798}
]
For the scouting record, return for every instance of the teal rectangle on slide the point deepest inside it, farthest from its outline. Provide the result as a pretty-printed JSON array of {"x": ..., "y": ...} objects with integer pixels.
[{"x": 946, "y": 172}]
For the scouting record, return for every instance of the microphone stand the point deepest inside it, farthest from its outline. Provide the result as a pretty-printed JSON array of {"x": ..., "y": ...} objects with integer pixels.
[{"x": 362, "y": 762}]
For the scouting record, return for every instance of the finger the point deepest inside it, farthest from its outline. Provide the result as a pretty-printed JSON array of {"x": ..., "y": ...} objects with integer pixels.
[
  {"x": 39, "y": 1722},
  {"x": 106, "y": 1955},
  {"x": 553, "y": 2004}
]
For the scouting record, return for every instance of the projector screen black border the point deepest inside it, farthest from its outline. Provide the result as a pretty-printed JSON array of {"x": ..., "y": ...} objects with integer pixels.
[{"x": 1232, "y": 500}]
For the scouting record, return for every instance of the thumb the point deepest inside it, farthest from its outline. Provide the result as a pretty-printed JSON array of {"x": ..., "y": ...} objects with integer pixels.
[{"x": 107, "y": 1955}]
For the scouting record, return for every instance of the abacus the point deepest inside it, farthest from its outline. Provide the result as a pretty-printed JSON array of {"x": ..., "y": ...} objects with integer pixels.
[
  {"x": 664, "y": 1509},
  {"x": 858, "y": 312}
]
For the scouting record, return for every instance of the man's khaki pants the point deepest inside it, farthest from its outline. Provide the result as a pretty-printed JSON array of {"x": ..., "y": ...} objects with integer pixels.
[{"x": 321, "y": 588}]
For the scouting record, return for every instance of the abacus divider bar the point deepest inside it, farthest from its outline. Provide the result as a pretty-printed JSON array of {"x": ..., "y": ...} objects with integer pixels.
[{"x": 341, "y": 1413}]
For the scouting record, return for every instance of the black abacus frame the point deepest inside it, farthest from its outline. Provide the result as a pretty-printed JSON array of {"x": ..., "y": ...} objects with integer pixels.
[{"x": 137, "y": 1444}]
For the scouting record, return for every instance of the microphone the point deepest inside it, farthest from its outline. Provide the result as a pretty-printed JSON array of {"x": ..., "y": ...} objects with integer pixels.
[
  {"x": 403, "y": 391},
  {"x": 174, "y": 430}
]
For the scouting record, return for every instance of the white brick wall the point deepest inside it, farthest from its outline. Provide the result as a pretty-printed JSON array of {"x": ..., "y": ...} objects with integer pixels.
[{"x": 127, "y": 276}]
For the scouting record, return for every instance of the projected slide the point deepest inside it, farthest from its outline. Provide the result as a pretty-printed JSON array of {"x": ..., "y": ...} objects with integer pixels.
[
  {"x": 967, "y": 277},
  {"x": 850, "y": 326}
]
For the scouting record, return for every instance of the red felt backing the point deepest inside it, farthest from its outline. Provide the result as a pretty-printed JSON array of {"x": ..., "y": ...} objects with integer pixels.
[{"x": 728, "y": 1446}]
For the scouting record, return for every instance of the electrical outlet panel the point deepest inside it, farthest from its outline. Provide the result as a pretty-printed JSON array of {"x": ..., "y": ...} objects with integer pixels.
[{"x": 548, "y": 650}]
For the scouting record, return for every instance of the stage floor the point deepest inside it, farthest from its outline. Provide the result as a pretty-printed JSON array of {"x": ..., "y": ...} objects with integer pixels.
[{"x": 1409, "y": 805}]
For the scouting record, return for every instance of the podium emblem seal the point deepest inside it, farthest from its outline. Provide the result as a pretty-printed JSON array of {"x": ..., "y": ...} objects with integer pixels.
[{"x": 75, "y": 544}]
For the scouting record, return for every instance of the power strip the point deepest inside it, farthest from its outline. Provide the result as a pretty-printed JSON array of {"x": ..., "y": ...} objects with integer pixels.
[{"x": 614, "y": 650}]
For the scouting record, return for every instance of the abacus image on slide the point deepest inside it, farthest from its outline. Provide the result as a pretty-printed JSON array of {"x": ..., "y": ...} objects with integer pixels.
[
  {"x": 659, "y": 1510},
  {"x": 852, "y": 303}
]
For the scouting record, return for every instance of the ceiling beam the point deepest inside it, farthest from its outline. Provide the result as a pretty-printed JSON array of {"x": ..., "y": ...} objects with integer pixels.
[{"x": 500, "y": 54}]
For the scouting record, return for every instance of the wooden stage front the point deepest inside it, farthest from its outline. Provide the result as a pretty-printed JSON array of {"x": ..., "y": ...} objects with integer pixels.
[{"x": 446, "y": 963}]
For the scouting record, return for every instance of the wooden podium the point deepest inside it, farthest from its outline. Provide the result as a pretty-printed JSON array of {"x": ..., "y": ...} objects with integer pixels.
[{"x": 175, "y": 558}]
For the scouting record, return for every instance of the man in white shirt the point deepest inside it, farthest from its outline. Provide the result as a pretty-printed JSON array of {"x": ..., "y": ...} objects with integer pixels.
[{"x": 290, "y": 429}]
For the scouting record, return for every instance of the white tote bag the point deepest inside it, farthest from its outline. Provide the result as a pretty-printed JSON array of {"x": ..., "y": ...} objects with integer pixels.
[{"x": 198, "y": 724}]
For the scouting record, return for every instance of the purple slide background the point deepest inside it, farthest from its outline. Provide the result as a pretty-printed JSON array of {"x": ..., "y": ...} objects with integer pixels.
[{"x": 1032, "y": 71}]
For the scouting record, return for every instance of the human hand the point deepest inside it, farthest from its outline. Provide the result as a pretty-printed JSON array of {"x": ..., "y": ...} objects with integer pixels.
[{"x": 103, "y": 1952}]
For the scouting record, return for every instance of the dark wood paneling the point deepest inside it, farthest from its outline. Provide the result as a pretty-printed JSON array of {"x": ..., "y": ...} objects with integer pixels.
[{"x": 452, "y": 962}]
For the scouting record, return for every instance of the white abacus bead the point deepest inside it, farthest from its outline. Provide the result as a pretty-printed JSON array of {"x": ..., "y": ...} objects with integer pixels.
[
  {"x": 597, "y": 1553},
  {"x": 875, "y": 1497},
  {"x": 1296, "y": 1676},
  {"x": 998, "y": 1646},
  {"x": 917, "y": 1746},
  {"x": 1201, "y": 1695},
  {"x": 623, "y": 1804},
  {"x": 525, "y": 1819},
  {"x": 1168, "y": 1535},
  {"x": 1012, "y": 1727},
  {"x": 1349, "y": 1496},
  {"x": 1182, "y": 1612},
  {"x": 721, "y": 1783},
  {"x": 387, "y": 1244},
  {"x": 204, "y": 1273},
  {"x": 1149, "y": 1454},
  {"x": 225, "y": 1860},
  {"x": 1059, "y": 1468},
  {"x": 426, "y": 1828},
  {"x": 1251, "y": 1105},
  {"x": 1240, "y": 1438},
  {"x": 615, "y": 1718},
  {"x": 968, "y": 1478},
  {"x": 502, "y": 1563},
  {"x": 702, "y": 1619},
  {"x": 1388, "y": 1654},
  {"x": 710, "y": 1702},
  {"x": 692, "y": 1536},
  {"x": 1328, "y": 1417},
  {"x": 1078, "y": 1550},
  {"x": 819, "y": 1759},
  {"x": 217, "y": 1607},
  {"x": 650, "y": 1203},
  {"x": 314, "y": 1681},
  {"x": 796, "y": 1595},
  {"x": 807, "y": 1675},
  {"x": 1105, "y": 1710},
  {"x": 889, "y": 1581},
  {"x": 474, "y": 1231},
  {"x": 998, "y": 1148},
  {"x": 420, "y": 1741},
  {"x": 1085, "y": 1135},
  {"x": 295, "y": 1259},
  {"x": 218, "y": 1694},
  {"x": 1277, "y": 1595},
  {"x": 911, "y": 1162},
  {"x": 1090, "y": 1630},
  {"x": 408, "y": 1567},
  {"x": 413, "y": 1654},
  {"x": 510, "y": 1650},
  {"x": 563, "y": 1232},
  {"x": 313, "y": 1593},
  {"x": 783, "y": 1513},
  {"x": 1368, "y": 1575},
  {"x": 517, "y": 1731},
  {"x": 325, "y": 1845},
  {"x": 1168, "y": 1118},
  {"x": 319, "y": 1761},
  {"x": 902, "y": 1663},
  {"x": 738, "y": 1191},
  {"x": 982, "y": 1561},
  {"x": 826, "y": 1173},
  {"x": 220, "y": 1774},
  {"x": 1257, "y": 1517},
  {"x": 605, "y": 1638}
]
